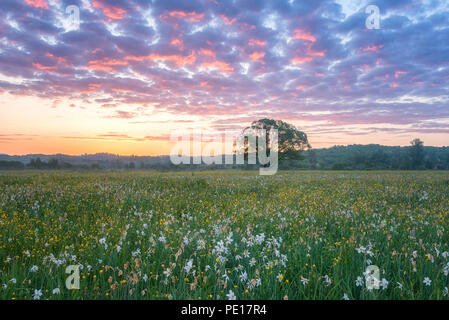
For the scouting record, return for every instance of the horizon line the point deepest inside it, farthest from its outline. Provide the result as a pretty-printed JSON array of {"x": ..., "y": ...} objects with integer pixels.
[{"x": 167, "y": 155}]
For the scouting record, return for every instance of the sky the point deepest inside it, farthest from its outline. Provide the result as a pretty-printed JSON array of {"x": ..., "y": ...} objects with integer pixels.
[{"x": 128, "y": 73}]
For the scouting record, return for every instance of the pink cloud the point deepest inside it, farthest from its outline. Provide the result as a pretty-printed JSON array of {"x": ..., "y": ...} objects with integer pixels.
[
  {"x": 223, "y": 66},
  {"x": 113, "y": 13},
  {"x": 256, "y": 42},
  {"x": 303, "y": 35},
  {"x": 398, "y": 73},
  {"x": 38, "y": 3},
  {"x": 177, "y": 43},
  {"x": 208, "y": 53},
  {"x": 256, "y": 56},
  {"x": 42, "y": 67},
  {"x": 106, "y": 64},
  {"x": 190, "y": 16},
  {"x": 228, "y": 21},
  {"x": 59, "y": 59},
  {"x": 300, "y": 60},
  {"x": 178, "y": 60},
  {"x": 92, "y": 88}
]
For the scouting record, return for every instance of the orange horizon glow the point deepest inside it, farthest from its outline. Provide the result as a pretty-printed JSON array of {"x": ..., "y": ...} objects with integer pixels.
[
  {"x": 120, "y": 76},
  {"x": 63, "y": 129}
]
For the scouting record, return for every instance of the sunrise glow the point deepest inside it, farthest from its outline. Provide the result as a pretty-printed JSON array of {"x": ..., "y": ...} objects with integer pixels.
[{"x": 135, "y": 71}]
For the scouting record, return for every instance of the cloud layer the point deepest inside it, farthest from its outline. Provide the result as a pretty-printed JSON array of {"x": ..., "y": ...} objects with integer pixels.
[{"x": 233, "y": 61}]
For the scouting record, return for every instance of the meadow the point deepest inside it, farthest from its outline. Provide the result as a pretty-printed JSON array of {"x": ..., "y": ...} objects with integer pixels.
[{"x": 224, "y": 235}]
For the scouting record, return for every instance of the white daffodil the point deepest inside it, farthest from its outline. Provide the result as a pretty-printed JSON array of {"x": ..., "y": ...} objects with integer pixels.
[
  {"x": 231, "y": 295},
  {"x": 37, "y": 294},
  {"x": 359, "y": 281}
]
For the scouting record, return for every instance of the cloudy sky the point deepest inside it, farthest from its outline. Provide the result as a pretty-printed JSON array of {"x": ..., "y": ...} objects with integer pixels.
[{"x": 132, "y": 71}]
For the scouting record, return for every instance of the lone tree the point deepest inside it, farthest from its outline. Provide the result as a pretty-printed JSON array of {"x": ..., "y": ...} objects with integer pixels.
[
  {"x": 291, "y": 141},
  {"x": 417, "y": 154}
]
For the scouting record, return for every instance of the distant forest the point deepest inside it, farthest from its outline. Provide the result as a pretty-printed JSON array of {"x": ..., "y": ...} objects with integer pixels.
[{"x": 352, "y": 157}]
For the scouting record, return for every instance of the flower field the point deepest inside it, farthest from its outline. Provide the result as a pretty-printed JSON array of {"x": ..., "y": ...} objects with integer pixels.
[{"x": 224, "y": 235}]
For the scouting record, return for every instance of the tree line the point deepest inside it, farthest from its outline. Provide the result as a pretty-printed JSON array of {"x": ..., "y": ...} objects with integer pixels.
[
  {"x": 377, "y": 157},
  {"x": 293, "y": 148},
  {"x": 352, "y": 157}
]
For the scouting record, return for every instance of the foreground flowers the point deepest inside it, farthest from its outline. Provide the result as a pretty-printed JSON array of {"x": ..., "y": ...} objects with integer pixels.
[{"x": 224, "y": 235}]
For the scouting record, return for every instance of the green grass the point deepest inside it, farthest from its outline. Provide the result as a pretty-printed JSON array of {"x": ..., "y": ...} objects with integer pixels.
[{"x": 302, "y": 229}]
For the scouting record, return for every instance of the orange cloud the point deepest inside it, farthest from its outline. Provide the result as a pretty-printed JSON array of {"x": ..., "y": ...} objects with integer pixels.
[
  {"x": 41, "y": 67},
  {"x": 136, "y": 58},
  {"x": 105, "y": 64},
  {"x": 257, "y": 55},
  {"x": 256, "y": 42},
  {"x": 309, "y": 56},
  {"x": 92, "y": 87},
  {"x": 121, "y": 90},
  {"x": 315, "y": 53},
  {"x": 108, "y": 136},
  {"x": 301, "y": 59},
  {"x": 158, "y": 138},
  {"x": 113, "y": 13},
  {"x": 38, "y": 3},
  {"x": 227, "y": 20},
  {"x": 60, "y": 59},
  {"x": 191, "y": 16},
  {"x": 177, "y": 42},
  {"x": 302, "y": 35},
  {"x": 177, "y": 59},
  {"x": 223, "y": 66},
  {"x": 208, "y": 53}
]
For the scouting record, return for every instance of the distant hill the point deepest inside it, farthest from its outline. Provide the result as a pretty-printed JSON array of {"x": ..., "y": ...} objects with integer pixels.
[
  {"x": 352, "y": 157},
  {"x": 98, "y": 160},
  {"x": 376, "y": 157}
]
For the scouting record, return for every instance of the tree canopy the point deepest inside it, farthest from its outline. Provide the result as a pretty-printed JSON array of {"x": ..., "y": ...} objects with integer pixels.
[{"x": 291, "y": 141}]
